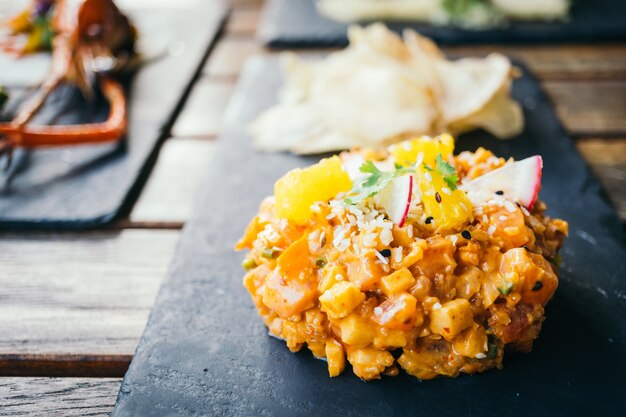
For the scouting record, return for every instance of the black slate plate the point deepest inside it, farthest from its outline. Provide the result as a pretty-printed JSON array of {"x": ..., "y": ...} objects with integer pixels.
[
  {"x": 85, "y": 186},
  {"x": 297, "y": 24},
  {"x": 206, "y": 352}
]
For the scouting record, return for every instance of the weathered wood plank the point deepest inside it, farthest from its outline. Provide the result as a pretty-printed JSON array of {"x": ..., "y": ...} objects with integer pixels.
[
  {"x": 169, "y": 193},
  {"x": 243, "y": 21},
  {"x": 66, "y": 397},
  {"x": 590, "y": 107},
  {"x": 202, "y": 114},
  {"x": 73, "y": 294},
  {"x": 607, "y": 158},
  {"x": 230, "y": 55}
]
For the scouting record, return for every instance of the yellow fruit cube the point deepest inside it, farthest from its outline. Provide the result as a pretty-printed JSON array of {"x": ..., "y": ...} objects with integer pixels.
[
  {"x": 336, "y": 358},
  {"x": 472, "y": 342},
  {"x": 341, "y": 299},
  {"x": 399, "y": 312},
  {"x": 407, "y": 152},
  {"x": 449, "y": 209},
  {"x": 297, "y": 190},
  {"x": 390, "y": 339},
  {"x": 451, "y": 318},
  {"x": 356, "y": 330},
  {"x": 330, "y": 276},
  {"x": 369, "y": 363},
  {"x": 397, "y": 281}
]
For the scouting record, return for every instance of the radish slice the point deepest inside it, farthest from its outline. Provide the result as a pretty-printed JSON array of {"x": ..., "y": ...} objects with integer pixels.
[
  {"x": 395, "y": 198},
  {"x": 518, "y": 181}
]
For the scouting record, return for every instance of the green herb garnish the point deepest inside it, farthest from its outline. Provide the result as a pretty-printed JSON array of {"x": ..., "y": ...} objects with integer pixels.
[
  {"x": 506, "y": 288},
  {"x": 375, "y": 181},
  {"x": 270, "y": 253},
  {"x": 248, "y": 264},
  {"x": 459, "y": 8},
  {"x": 447, "y": 171},
  {"x": 492, "y": 346}
]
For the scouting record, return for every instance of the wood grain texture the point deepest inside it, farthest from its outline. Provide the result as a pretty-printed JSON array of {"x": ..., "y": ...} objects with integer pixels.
[
  {"x": 202, "y": 114},
  {"x": 170, "y": 192},
  {"x": 230, "y": 55},
  {"x": 590, "y": 107},
  {"x": 607, "y": 158},
  {"x": 87, "y": 293},
  {"x": 68, "y": 397}
]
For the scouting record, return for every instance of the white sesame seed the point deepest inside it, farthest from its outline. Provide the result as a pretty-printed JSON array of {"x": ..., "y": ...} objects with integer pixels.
[
  {"x": 510, "y": 206},
  {"x": 378, "y": 311},
  {"x": 397, "y": 256},
  {"x": 502, "y": 218},
  {"x": 485, "y": 218},
  {"x": 454, "y": 239},
  {"x": 491, "y": 230},
  {"x": 480, "y": 356},
  {"x": 409, "y": 231},
  {"x": 428, "y": 176},
  {"x": 331, "y": 216},
  {"x": 436, "y": 306},
  {"x": 381, "y": 258},
  {"x": 446, "y": 190}
]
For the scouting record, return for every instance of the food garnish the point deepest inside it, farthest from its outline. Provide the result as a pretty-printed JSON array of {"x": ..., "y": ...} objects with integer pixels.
[
  {"x": 383, "y": 89},
  {"x": 378, "y": 258},
  {"x": 469, "y": 14}
]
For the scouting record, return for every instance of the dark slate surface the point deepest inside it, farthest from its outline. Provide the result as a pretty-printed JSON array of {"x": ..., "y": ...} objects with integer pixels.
[
  {"x": 297, "y": 24},
  {"x": 206, "y": 352},
  {"x": 85, "y": 186}
]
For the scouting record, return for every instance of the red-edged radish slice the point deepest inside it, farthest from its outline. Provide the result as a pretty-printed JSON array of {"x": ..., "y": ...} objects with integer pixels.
[
  {"x": 518, "y": 181},
  {"x": 395, "y": 198}
]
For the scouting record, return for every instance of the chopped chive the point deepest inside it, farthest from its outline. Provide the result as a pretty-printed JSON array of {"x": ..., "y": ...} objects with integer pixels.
[
  {"x": 506, "y": 289},
  {"x": 270, "y": 253},
  {"x": 248, "y": 264}
]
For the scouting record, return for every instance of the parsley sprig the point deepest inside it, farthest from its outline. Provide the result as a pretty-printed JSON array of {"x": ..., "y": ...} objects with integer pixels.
[
  {"x": 446, "y": 170},
  {"x": 374, "y": 181}
]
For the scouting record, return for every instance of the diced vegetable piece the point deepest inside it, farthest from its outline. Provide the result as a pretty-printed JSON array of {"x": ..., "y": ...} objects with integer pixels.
[
  {"x": 390, "y": 339},
  {"x": 369, "y": 363},
  {"x": 300, "y": 188},
  {"x": 407, "y": 153},
  {"x": 341, "y": 299},
  {"x": 288, "y": 297},
  {"x": 451, "y": 318},
  {"x": 336, "y": 358},
  {"x": 330, "y": 276},
  {"x": 398, "y": 312},
  {"x": 295, "y": 259},
  {"x": 397, "y": 281},
  {"x": 450, "y": 209},
  {"x": 538, "y": 281},
  {"x": 472, "y": 342},
  {"x": 356, "y": 330}
]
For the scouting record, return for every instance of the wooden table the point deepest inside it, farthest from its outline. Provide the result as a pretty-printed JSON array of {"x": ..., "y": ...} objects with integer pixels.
[{"x": 73, "y": 305}]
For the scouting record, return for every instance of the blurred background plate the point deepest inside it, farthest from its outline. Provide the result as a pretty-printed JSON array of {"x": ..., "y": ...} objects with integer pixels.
[
  {"x": 297, "y": 24},
  {"x": 205, "y": 350},
  {"x": 85, "y": 186}
]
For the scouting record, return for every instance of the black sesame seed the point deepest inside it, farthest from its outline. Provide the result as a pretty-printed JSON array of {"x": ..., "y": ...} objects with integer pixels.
[
  {"x": 386, "y": 253},
  {"x": 500, "y": 192},
  {"x": 437, "y": 197},
  {"x": 538, "y": 285},
  {"x": 466, "y": 234},
  {"x": 518, "y": 204},
  {"x": 429, "y": 220},
  {"x": 205, "y": 370}
]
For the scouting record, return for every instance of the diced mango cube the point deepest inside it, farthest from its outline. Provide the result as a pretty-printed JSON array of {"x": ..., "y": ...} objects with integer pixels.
[
  {"x": 390, "y": 339},
  {"x": 369, "y": 363},
  {"x": 451, "y": 318},
  {"x": 407, "y": 152},
  {"x": 398, "y": 312},
  {"x": 397, "y": 281},
  {"x": 341, "y": 299},
  {"x": 356, "y": 330},
  {"x": 331, "y": 275},
  {"x": 471, "y": 342},
  {"x": 295, "y": 259},
  {"x": 297, "y": 190},
  {"x": 336, "y": 358}
]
